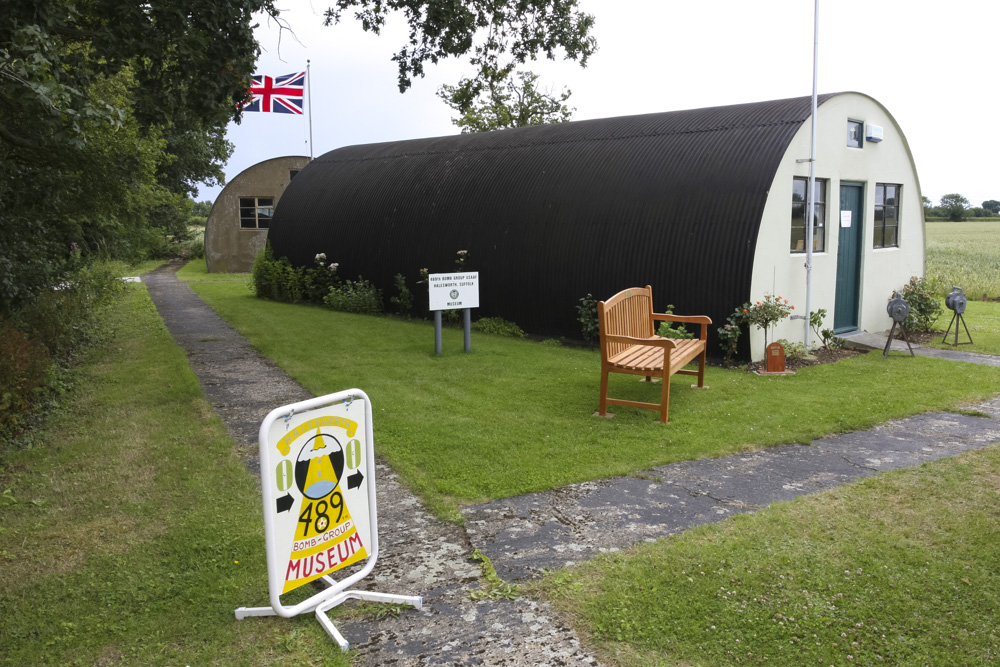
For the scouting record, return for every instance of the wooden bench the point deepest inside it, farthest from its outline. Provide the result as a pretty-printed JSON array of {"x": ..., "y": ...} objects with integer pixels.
[{"x": 629, "y": 344}]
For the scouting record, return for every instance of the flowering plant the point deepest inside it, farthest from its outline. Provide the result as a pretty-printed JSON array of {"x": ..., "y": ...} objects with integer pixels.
[{"x": 765, "y": 314}]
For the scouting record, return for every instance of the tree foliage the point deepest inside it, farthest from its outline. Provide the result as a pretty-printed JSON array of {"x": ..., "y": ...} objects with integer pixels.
[
  {"x": 111, "y": 112},
  {"x": 498, "y": 35},
  {"x": 505, "y": 103},
  {"x": 992, "y": 205},
  {"x": 955, "y": 206}
]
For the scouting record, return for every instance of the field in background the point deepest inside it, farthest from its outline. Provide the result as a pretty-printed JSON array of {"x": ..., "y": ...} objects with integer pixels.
[{"x": 966, "y": 254}]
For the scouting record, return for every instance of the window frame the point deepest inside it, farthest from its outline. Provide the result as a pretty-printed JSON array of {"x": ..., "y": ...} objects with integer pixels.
[
  {"x": 860, "y": 134},
  {"x": 256, "y": 208},
  {"x": 819, "y": 216},
  {"x": 879, "y": 225}
]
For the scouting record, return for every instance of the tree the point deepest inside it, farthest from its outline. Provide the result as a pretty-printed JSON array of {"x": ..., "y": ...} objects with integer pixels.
[
  {"x": 110, "y": 110},
  {"x": 497, "y": 34},
  {"x": 201, "y": 208},
  {"x": 992, "y": 205},
  {"x": 955, "y": 205},
  {"x": 926, "y": 202},
  {"x": 504, "y": 103}
]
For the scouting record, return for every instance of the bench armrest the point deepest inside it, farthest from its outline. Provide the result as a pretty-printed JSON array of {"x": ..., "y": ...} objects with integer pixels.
[
  {"x": 649, "y": 342},
  {"x": 694, "y": 319},
  {"x": 703, "y": 320}
]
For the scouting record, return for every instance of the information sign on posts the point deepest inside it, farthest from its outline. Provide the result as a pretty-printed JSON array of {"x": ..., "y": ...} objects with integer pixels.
[
  {"x": 450, "y": 291},
  {"x": 317, "y": 468}
]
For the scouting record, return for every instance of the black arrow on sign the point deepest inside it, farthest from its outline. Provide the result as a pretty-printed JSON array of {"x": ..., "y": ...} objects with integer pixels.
[
  {"x": 285, "y": 502},
  {"x": 354, "y": 481}
]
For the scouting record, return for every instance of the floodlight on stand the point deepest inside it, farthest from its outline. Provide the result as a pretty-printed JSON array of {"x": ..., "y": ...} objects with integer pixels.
[
  {"x": 956, "y": 302},
  {"x": 898, "y": 310}
]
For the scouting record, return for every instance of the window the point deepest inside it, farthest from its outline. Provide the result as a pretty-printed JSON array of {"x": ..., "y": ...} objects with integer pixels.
[
  {"x": 887, "y": 215},
  {"x": 799, "y": 188},
  {"x": 256, "y": 212},
  {"x": 292, "y": 173},
  {"x": 855, "y": 128}
]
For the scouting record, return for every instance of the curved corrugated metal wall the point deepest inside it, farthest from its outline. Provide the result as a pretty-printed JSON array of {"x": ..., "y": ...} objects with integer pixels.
[{"x": 553, "y": 212}]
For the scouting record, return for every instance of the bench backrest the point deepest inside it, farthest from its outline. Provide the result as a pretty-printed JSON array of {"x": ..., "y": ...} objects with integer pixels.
[{"x": 628, "y": 313}]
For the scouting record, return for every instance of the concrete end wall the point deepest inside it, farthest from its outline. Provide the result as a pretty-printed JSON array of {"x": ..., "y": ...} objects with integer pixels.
[{"x": 228, "y": 248}]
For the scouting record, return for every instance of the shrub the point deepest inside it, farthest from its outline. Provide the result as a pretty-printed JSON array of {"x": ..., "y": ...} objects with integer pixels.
[
  {"x": 816, "y": 319},
  {"x": 276, "y": 279},
  {"x": 729, "y": 334},
  {"x": 403, "y": 302},
  {"x": 24, "y": 364},
  {"x": 195, "y": 248},
  {"x": 793, "y": 350},
  {"x": 44, "y": 334},
  {"x": 68, "y": 315},
  {"x": 672, "y": 329},
  {"x": 586, "y": 315},
  {"x": 497, "y": 326},
  {"x": 318, "y": 279},
  {"x": 924, "y": 297},
  {"x": 360, "y": 297}
]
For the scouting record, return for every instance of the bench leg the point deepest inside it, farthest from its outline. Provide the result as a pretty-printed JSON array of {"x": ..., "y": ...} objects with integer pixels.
[
  {"x": 603, "y": 408},
  {"x": 701, "y": 369},
  {"x": 665, "y": 398}
]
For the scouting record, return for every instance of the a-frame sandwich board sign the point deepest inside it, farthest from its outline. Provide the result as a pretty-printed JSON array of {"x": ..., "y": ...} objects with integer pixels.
[{"x": 317, "y": 471}]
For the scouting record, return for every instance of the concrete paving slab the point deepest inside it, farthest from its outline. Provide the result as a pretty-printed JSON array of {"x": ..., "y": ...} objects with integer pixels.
[{"x": 876, "y": 341}]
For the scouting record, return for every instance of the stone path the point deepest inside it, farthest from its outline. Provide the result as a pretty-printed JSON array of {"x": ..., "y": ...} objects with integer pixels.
[{"x": 526, "y": 534}]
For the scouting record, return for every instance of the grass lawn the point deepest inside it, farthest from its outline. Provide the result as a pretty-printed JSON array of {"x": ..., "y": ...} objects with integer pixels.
[
  {"x": 898, "y": 569},
  {"x": 967, "y": 254},
  {"x": 131, "y": 530},
  {"x": 197, "y": 270},
  {"x": 515, "y": 417}
]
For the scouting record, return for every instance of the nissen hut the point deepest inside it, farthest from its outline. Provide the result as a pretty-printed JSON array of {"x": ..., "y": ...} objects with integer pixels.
[
  {"x": 238, "y": 222},
  {"x": 706, "y": 205}
]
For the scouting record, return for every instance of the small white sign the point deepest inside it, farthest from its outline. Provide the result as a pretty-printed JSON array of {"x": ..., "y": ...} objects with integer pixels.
[
  {"x": 845, "y": 218},
  {"x": 451, "y": 291}
]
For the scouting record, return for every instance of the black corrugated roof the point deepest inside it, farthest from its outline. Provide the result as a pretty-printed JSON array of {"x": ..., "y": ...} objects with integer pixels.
[{"x": 550, "y": 213}]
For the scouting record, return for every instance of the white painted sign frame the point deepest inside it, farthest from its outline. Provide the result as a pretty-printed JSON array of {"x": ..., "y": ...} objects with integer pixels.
[{"x": 353, "y": 405}]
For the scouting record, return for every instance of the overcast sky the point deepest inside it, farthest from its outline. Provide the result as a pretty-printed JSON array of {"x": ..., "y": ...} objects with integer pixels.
[{"x": 933, "y": 65}]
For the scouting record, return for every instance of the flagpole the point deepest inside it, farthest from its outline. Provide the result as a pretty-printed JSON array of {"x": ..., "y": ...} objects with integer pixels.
[
  {"x": 310, "y": 94},
  {"x": 811, "y": 197}
]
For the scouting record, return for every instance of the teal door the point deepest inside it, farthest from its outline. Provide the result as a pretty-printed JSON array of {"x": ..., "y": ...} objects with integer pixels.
[{"x": 848, "y": 298}]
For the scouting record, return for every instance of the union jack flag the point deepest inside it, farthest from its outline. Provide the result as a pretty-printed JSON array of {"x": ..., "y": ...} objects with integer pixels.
[{"x": 278, "y": 94}]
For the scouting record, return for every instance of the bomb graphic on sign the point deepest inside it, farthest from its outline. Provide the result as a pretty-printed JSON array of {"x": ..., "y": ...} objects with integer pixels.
[
  {"x": 319, "y": 466},
  {"x": 325, "y": 536}
]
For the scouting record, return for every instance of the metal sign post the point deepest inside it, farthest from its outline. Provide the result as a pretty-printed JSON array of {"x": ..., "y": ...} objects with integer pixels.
[
  {"x": 453, "y": 291},
  {"x": 317, "y": 470}
]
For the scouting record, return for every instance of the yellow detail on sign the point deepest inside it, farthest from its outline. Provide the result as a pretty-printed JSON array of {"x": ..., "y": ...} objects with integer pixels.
[{"x": 284, "y": 445}]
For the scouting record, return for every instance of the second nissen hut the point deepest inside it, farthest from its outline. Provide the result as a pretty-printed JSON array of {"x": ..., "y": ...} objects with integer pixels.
[{"x": 707, "y": 206}]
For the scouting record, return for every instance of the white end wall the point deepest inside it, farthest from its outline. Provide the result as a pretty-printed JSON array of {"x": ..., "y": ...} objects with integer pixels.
[{"x": 779, "y": 271}]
